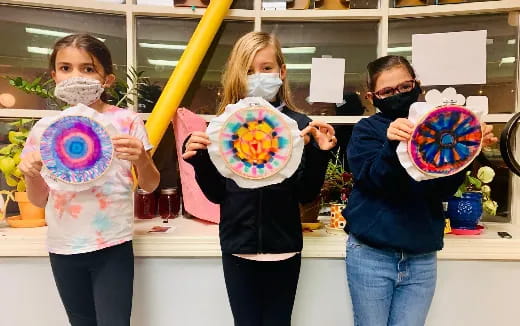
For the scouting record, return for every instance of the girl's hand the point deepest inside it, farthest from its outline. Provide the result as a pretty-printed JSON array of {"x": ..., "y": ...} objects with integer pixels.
[
  {"x": 31, "y": 164},
  {"x": 128, "y": 148},
  {"x": 197, "y": 141},
  {"x": 488, "y": 137},
  {"x": 323, "y": 134},
  {"x": 400, "y": 129}
]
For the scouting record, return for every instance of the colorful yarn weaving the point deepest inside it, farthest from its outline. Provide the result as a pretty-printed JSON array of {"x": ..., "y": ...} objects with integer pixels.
[
  {"x": 76, "y": 149},
  {"x": 255, "y": 143},
  {"x": 446, "y": 140}
]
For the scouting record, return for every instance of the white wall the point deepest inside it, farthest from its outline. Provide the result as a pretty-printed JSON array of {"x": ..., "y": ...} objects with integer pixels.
[{"x": 174, "y": 291}]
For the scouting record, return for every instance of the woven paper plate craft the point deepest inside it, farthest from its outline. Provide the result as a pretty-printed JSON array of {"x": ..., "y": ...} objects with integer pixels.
[
  {"x": 446, "y": 138},
  {"x": 76, "y": 149},
  {"x": 254, "y": 144}
]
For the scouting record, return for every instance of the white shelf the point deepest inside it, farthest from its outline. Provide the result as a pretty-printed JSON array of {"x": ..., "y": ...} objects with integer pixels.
[
  {"x": 455, "y": 9},
  {"x": 79, "y": 5},
  {"x": 317, "y": 15},
  {"x": 279, "y": 15},
  {"x": 184, "y": 12}
]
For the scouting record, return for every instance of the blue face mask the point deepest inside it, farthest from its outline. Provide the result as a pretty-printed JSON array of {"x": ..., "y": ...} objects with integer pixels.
[{"x": 265, "y": 85}]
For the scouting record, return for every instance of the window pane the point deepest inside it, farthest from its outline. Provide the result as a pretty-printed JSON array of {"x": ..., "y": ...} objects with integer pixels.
[
  {"x": 29, "y": 34},
  {"x": 502, "y": 48},
  {"x": 243, "y": 4},
  {"x": 364, "y": 4},
  {"x": 501, "y": 184},
  {"x": 354, "y": 41},
  {"x": 161, "y": 42}
]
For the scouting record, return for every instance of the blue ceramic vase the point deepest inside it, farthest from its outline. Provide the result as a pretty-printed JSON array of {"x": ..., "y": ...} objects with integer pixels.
[{"x": 465, "y": 212}]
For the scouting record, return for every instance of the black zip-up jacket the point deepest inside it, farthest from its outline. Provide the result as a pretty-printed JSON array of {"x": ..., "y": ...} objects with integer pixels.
[{"x": 266, "y": 219}]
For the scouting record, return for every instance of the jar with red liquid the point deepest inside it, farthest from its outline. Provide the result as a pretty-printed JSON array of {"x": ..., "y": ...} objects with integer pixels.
[
  {"x": 145, "y": 204},
  {"x": 169, "y": 203}
]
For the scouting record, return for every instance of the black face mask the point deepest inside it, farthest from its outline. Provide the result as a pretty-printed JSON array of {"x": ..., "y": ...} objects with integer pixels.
[{"x": 398, "y": 105}]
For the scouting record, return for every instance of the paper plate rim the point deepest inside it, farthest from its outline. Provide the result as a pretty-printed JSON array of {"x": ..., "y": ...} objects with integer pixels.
[
  {"x": 82, "y": 111},
  {"x": 213, "y": 132}
]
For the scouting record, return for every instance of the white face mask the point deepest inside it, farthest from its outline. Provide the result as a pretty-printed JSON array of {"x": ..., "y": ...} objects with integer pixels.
[
  {"x": 265, "y": 85},
  {"x": 77, "y": 90}
]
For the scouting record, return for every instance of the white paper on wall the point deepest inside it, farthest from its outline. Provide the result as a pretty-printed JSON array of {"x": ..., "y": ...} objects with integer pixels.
[
  {"x": 455, "y": 58},
  {"x": 327, "y": 80}
]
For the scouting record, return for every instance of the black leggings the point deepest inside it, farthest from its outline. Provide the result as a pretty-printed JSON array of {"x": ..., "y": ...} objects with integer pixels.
[
  {"x": 261, "y": 293},
  {"x": 96, "y": 287}
]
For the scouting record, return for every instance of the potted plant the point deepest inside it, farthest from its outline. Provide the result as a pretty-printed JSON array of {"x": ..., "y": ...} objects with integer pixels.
[
  {"x": 471, "y": 199},
  {"x": 9, "y": 160},
  {"x": 336, "y": 190}
]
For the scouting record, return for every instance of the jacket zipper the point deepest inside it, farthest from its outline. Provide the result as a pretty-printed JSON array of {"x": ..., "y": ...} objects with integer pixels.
[{"x": 259, "y": 222}]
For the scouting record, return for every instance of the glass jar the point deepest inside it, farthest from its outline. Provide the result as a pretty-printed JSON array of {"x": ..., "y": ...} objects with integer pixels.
[
  {"x": 169, "y": 203},
  {"x": 144, "y": 204}
]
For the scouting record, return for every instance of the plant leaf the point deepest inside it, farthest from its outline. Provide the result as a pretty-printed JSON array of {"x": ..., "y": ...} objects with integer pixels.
[{"x": 474, "y": 181}]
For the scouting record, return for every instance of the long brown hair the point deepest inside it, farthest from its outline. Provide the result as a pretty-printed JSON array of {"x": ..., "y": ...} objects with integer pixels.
[
  {"x": 234, "y": 79},
  {"x": 94, "y": 47},
  {"x": 376, "y": 67}
]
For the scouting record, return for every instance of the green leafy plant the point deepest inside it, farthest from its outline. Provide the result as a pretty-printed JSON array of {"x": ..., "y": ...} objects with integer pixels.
[
  {"x": 42, "y": 86},
  {"x": 10, "y": 154},
  {"x": 147, "y": 93},
  {"x": 338, "y": 182},
  {"x": 480, "y": 183}
]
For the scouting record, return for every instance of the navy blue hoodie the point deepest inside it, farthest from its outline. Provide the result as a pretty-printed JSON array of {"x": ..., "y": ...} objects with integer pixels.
[{"x": 387, "y": 208}]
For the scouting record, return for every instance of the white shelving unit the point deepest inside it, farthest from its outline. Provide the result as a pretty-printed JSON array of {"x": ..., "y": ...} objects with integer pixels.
[{"x": 382, "y": 15}]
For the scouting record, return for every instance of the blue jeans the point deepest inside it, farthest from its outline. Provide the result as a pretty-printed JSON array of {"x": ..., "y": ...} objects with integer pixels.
[{"x": 389, "y": 288}]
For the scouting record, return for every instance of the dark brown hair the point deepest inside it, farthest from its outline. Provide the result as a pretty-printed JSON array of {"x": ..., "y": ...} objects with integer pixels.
[
  {"x": 94, "y": 47},
  {"x": 376, "y": 67}
]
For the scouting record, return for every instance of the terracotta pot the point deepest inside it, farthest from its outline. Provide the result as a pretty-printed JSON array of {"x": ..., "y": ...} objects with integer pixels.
[{"x": 27, "y": 210}]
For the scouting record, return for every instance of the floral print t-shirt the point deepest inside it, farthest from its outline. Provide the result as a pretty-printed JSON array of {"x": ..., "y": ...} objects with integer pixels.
[{"x": 101, "y": 216}]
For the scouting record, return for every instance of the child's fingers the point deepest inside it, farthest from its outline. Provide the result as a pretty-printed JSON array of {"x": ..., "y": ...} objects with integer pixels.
[
  {"x": 323, "y": 127},
  {"x": 310, "y": 130},
  {"x": 128, "y": 142},
  {"x": 128, "y": 150},
  {"x": 401, "y": 125},
  {"x": 305, "y": 131},
  {"x": 188, "y": 154},
  {"x": 196, "y": 146},
  {"x": 29, "y": 171},
  {"x": 199, "y": 139},
  {"x": 199, "y": 134}
]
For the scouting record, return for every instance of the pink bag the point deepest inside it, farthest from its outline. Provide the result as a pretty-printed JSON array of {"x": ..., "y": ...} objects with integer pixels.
[{"x": 195, "y": 203}]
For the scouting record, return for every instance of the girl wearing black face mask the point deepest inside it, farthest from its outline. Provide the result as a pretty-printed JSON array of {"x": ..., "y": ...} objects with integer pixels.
[{"x": 395, "y": 224}]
